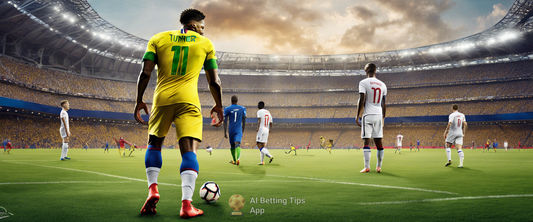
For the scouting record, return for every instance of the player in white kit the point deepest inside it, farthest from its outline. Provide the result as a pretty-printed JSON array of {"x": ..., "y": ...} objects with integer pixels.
[
  {"x": 505, "y": 145},
  {"x": 399, "y": 140},
  {"x": 209, "y": 149},
  {"x": 264, "y": 125},
  {"x": 65, "y": 129},
  {"x": 454, "y": 134},
  {"x": 372, "y": 94}
]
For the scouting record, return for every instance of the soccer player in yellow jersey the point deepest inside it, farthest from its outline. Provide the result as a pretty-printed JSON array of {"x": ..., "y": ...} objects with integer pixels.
[
  {"x": 292, "y": 149},
  {"x": 322, "y": 143},
  {"x": 179, "y": 56},
  {"x": 330, "y": 145}
]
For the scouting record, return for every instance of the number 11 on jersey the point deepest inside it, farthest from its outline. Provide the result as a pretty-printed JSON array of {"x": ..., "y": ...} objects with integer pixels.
[{"x": 179, "y": 62}]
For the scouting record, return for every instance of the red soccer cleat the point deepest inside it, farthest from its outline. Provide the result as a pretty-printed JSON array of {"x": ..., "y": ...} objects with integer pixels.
[
  {"x": 365, "y": 170},
  {"x": 188, "y": 210},
  {"x": 378, "y": 169},
  {"x": 153, "y": 198},
  {"x": 238, "y": 162}
]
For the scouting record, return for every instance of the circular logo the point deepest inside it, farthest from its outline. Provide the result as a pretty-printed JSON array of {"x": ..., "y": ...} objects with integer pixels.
[{"x": 236, "y": 202}]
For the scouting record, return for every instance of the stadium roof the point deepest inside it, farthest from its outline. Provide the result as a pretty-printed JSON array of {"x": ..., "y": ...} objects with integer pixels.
[{"x": 70, "y": 35}]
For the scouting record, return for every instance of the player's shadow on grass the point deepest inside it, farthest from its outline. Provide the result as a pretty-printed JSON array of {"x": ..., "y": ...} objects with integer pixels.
[
  {"x": 214, "y": 209},
  {"x": 388, "y": 174},
  {"x": 254, "y": 170},
  {"x": 466, "y": 169},
  {"x": 149, "y": 217},
  {"x": 272, "y": 164}
]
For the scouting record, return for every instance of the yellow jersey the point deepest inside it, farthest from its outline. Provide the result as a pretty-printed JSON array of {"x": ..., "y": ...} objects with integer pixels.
[{"x": 179, "y": 55}]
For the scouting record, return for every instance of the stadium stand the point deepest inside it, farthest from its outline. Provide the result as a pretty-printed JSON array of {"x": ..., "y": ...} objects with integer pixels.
[
  {"x": 43, "y": 86},
  {"x": 44, "y": 134},
  {"x": 100, "y": 75}
]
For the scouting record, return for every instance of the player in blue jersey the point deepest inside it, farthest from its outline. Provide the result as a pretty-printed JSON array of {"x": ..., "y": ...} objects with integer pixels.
[
  {"x": 236, "y": 115},
  {"x": 106, "y": 147},
  {"x": 5, "y": 145},
  {"x": 418, "y": 144}
]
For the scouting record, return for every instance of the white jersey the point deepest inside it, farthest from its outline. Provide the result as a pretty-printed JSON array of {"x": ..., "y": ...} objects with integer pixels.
[
  {"x": 399, "y": 139},
  {"x": 456, "y": 120},
  {"x": 505, "y": 144},
  {"x": 374, "y": 90},
  {"x": 265, "y": 117},
  {"x": 62, "y": 129}
]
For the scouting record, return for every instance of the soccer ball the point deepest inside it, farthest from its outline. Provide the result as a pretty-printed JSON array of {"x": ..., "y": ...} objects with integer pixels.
[{"x": 210, "y": 192}]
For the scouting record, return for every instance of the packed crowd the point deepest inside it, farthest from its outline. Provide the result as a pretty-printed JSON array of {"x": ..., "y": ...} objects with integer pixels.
[
  {"x": 461, "y": 74},
  {"x": 44, "y": 133},
  {"x": 349, "y": 136},
  {"x": 60, "y": 81},
  {"x": 52, "y": 99},
  {"x": 477, "y": 107},
  {"x": 404, "y": 99}
]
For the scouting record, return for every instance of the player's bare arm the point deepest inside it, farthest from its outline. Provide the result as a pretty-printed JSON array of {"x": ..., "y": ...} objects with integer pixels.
[
  {"x": 383, "y": 108},
  {"x": 360, "y": 107},
  {"x": 270, "y": 128},
  {"x": 465, "y": 126},
  {"x": 258, "y": 124},
  {"x": 447, "y": 130},
  {"x": 142, "y": 83},
  {"x": 216, "y": 91},
  {"x": 226, "y": 128},
  {"x": 243, "y": 122}
]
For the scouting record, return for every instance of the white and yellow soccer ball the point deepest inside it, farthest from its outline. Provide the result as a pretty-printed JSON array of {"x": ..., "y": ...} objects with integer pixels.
[{"x": 210, "y": 192}]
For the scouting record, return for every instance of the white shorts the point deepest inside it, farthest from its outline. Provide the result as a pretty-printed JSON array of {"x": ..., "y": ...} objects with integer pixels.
[
  {"x": 209, "y": 150},
  {"x": 399, "y": 144},
  {"x": 262, "y": 135},
  {"x": 372, "y": 127},
  {"x": 455, "y": 138},
  {"x": 63, "y": 133}
]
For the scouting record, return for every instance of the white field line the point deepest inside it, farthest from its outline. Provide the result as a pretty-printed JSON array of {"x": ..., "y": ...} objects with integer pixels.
[
  {"x": 11, "y": 160},
  {"x": 448, "y": 199},
  {"x": 350, "y": 183},
  {"x": 62, "y": 182},
  {"x": 93, "y": 172},
  {"x": 291, "y": 177},
  {"x": 263, "y": 181}
]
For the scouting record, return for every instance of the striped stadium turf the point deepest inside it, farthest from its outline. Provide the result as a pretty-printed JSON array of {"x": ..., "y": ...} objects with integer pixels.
[{"x": 310, "y": 186}]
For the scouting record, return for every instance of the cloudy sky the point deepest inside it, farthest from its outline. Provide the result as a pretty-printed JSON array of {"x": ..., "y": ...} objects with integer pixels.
[{"x": 312, "y": 27}]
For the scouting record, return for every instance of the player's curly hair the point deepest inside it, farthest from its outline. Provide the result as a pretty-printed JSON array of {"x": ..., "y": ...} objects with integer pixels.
[
  {"x": 190, "y": 14},
  {"x": 261, "y": 105}
]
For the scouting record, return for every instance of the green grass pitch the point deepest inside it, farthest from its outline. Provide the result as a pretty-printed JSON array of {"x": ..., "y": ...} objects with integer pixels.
[{"x": 414, "y": 186}]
